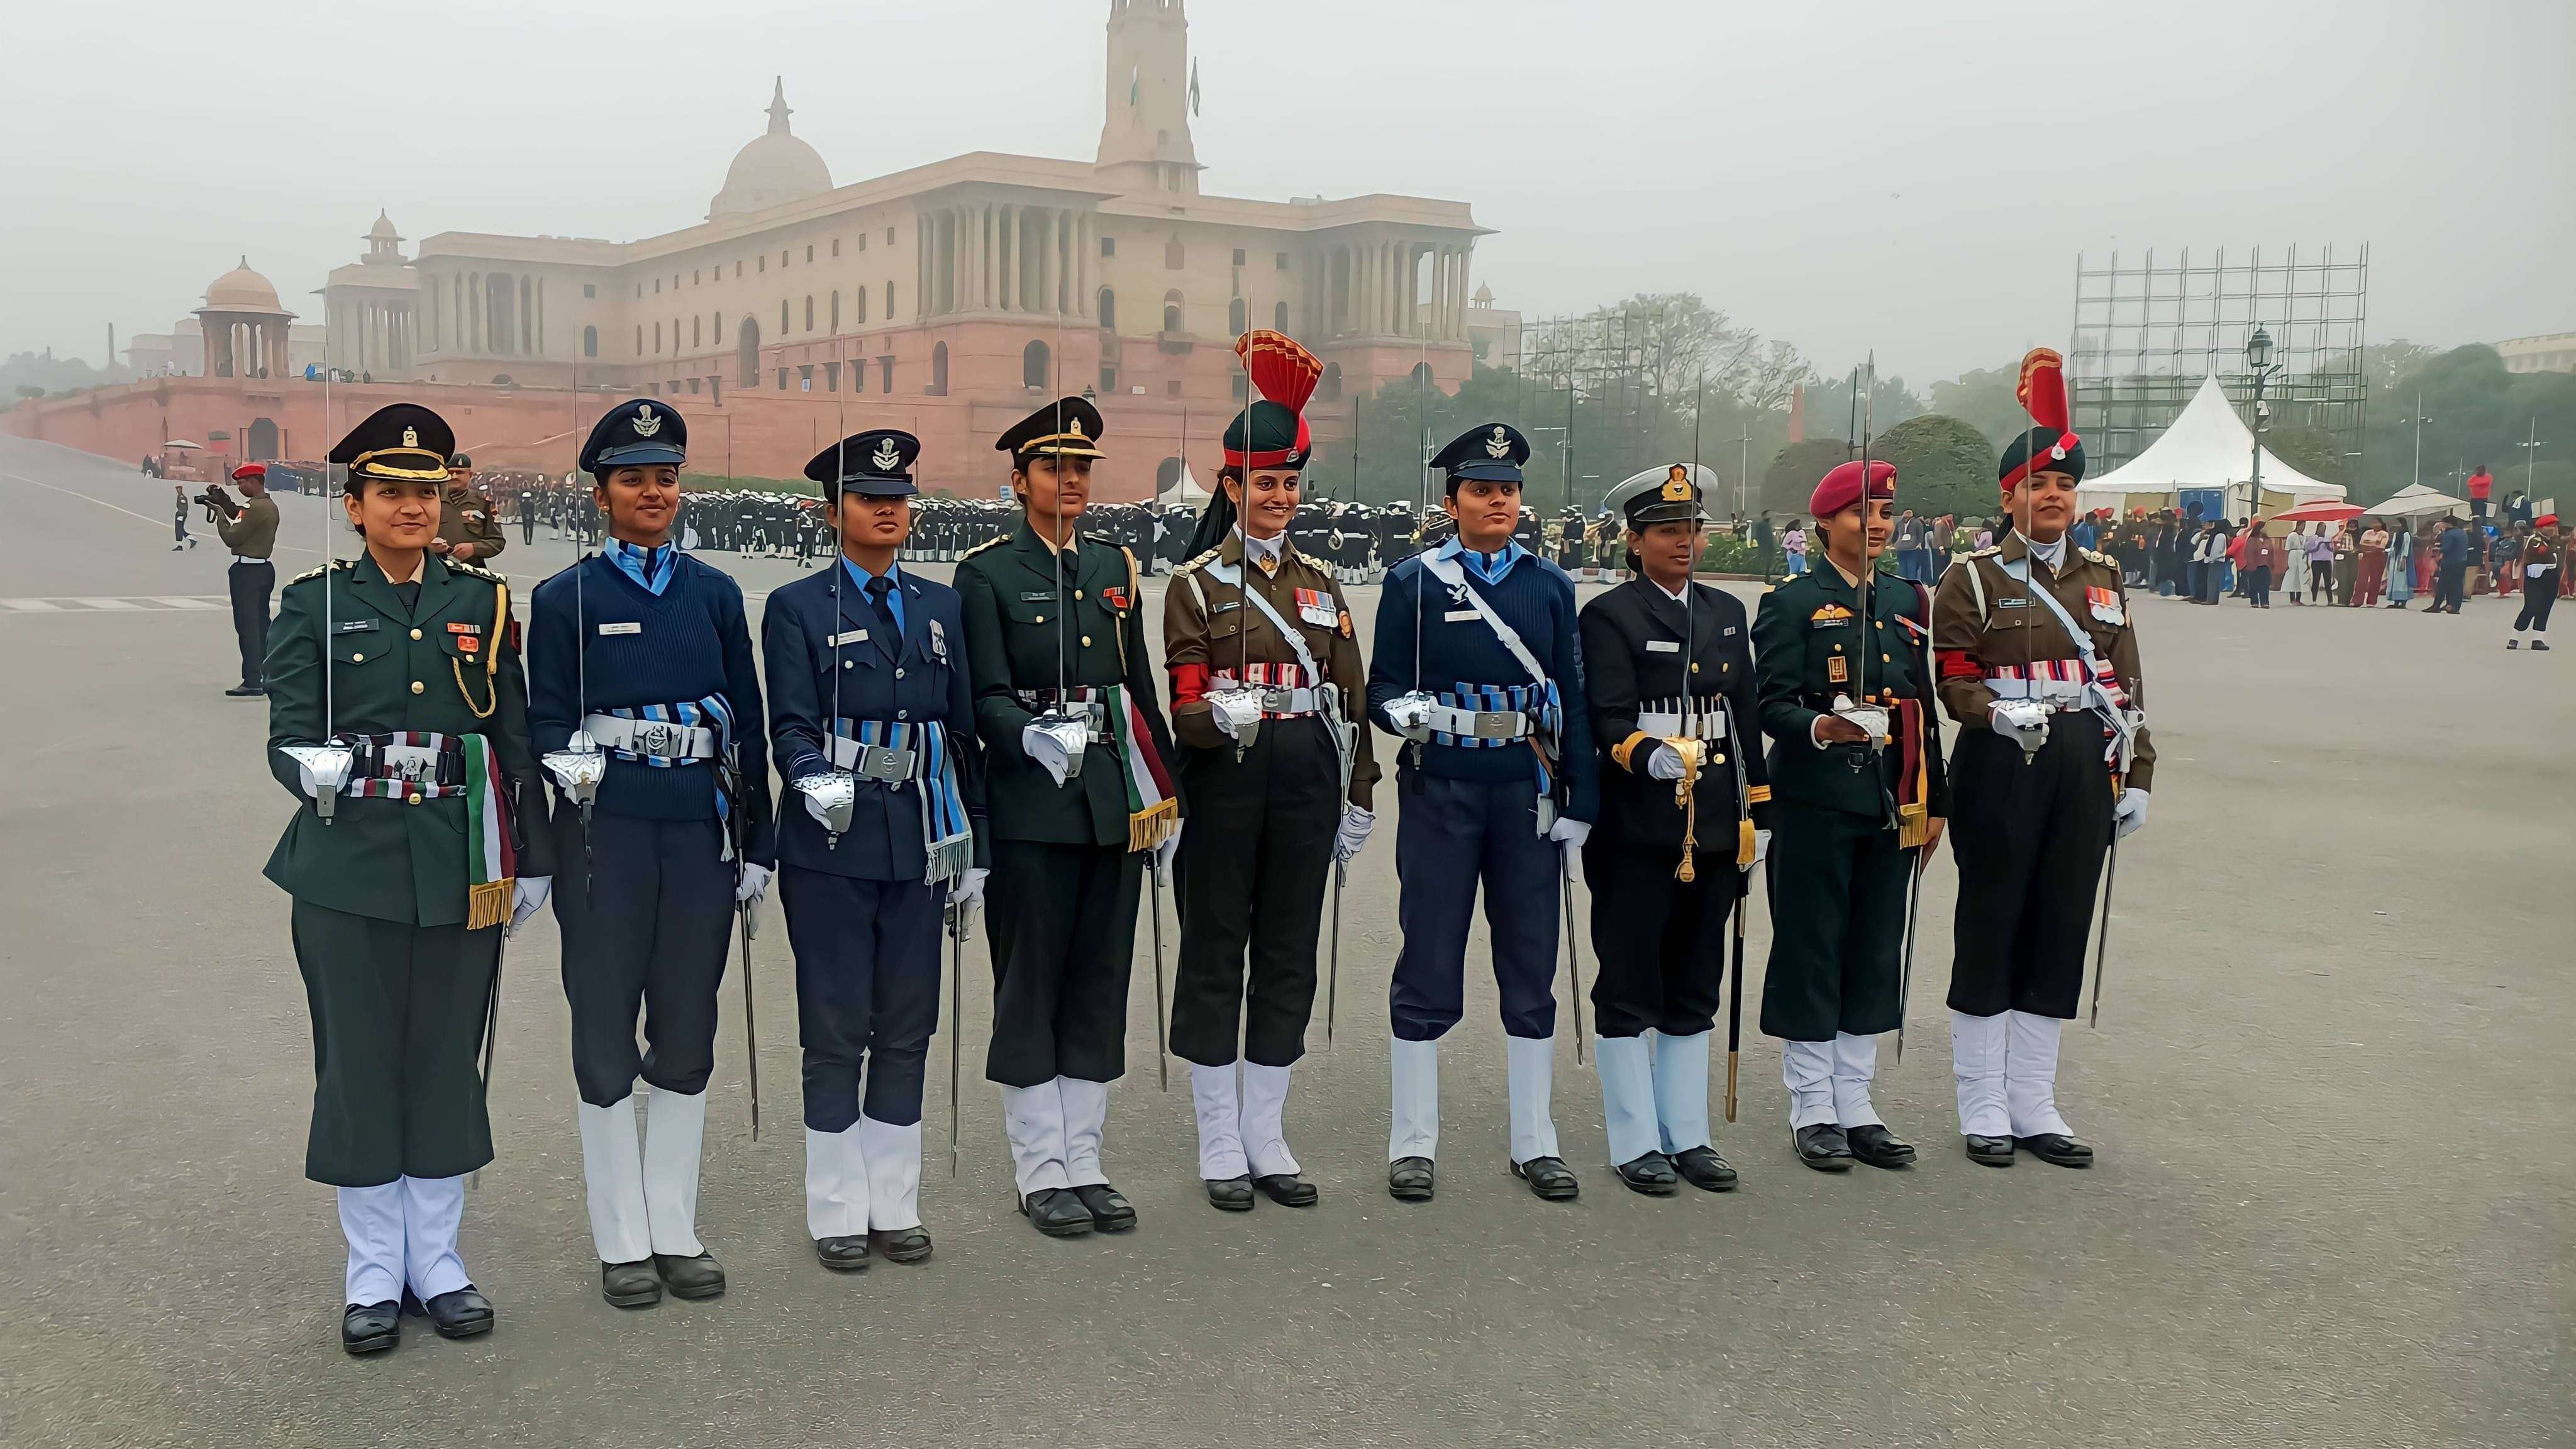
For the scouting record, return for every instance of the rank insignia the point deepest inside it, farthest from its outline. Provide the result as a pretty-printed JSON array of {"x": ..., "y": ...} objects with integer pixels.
[{"x": 1831, "y": 616}]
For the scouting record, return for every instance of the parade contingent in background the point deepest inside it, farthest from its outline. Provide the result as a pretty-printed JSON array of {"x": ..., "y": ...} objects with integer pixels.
[{"x": 1002, "y": 743}]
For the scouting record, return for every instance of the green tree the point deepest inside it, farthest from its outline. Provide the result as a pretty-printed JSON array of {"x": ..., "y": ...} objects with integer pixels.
[
  {"x": 1984, "y": 400},
  {"x": 1795, "y": 472},
  {"x": 2312, "y": 451},
  {"x": 1943, "y": 465}
]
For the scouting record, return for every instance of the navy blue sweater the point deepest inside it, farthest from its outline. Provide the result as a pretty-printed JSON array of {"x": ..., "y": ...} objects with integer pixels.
[
  {"x": 1458, "y": 647},
  {"x": 689, "y": 642}
]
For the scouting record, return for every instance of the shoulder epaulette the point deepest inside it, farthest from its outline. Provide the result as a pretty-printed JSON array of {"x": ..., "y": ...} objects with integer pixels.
[
  {"x": 979, "y": 548},
  {"x": 477, "y": 571},
  {"x": 1989, "y": 551},
  {"x": 337, "y": 563},
  {"x": 1207, "y": 557},
  {"x": 2096, "y": 555}
]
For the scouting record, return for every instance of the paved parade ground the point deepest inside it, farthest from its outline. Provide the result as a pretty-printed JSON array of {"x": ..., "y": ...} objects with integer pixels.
[{"x": 2331, "y": 1091}]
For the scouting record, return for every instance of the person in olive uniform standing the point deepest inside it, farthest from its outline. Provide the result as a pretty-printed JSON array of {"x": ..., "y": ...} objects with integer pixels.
[
  {"x": 467, "y": 531},
  {"x": 1267, "y": 685},
  {"x": 406, "y": 858},
  {"x": 2039, "y": 665},
  {"x": 250, "y": 531},
  {"x": 644, "y": 654},
  {"x": 1858, "y": 801},
  {"x": 1670, "y": 666},
  {"x": 1079, "y": 793},
  {"x": 872, "y": 723}
]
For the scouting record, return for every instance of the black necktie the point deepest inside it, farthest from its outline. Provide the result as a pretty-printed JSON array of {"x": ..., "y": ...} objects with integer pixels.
[{"x": 878, "y": 588}]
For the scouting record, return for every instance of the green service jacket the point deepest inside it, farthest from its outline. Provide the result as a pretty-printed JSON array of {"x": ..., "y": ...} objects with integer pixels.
[
  {"x": 1808, "y": 646},
  {"x": 1016, "y": 623},
  {"x": 451, "y": 665}
]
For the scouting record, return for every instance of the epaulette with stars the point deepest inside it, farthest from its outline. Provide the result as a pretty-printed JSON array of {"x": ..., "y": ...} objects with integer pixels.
[
  {"x": 1989, "y": 551},
  {"x": 337, "y": 563},
  {"x": 2097, "y": 556},
  {"x": 979, "y": 548},
  {"x": 477, "y": 571},
  {"x": 1207, "y": 557}
]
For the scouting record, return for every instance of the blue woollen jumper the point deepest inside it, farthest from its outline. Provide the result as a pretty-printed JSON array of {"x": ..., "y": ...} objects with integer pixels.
[
  {"x": 1537, "y": 600},
  {"x": 690, "y": 641}
]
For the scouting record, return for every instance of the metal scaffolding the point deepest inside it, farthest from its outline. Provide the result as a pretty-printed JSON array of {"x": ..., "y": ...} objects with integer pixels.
[{"x": 2146, "y": 333}]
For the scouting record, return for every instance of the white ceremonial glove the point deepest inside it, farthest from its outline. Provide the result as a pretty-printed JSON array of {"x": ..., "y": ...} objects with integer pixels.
[
  {"x": 312, "y": 787},
  {"x": 2130, "y": 812},
  {"x": 1163, "y": 853},
  {"x": 1233, "y": 709},
  {"x": 822, "y": 814},
  {"x": 1411, "y": 715},
  {"x": 969, "y": 889},
  {"x": 1569, "y": 836},
  {"x": 1761, "y": 847},
  {"x": 1664, "y": 764},
  {"x": 754, "y": 885},
  {"x": 1044, "y": 748},
  {"x": 2022, "y": 721},
  {"x": 1354, "y": 833},
  {"x": 527, "y": 898}
]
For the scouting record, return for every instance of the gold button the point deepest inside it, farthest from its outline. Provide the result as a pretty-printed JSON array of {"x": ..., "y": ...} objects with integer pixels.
[
  {"x": 415, "y": 633},
  {"x": 1041, "y": 618},
  {"x": 1888, "y": 658},
  {"x": 1838, "y": 649},
  {"x": 417, "y": 686},
  {"x": 1694, "y": 666},
  {"x": 1077, "y": 593},
  {"x": 357, "y": 658},
  {"x": 412, "y": 799},
  {"x": 1086, "y": 641},
  {"x": 1721, "y": 759}
]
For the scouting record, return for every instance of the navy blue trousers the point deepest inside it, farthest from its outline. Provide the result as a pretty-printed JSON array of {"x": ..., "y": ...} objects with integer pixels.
[
  {"x": 1451, "y": 836},
  {"x": 867, "y": 991},
  {"x": 646, "y": 918}
]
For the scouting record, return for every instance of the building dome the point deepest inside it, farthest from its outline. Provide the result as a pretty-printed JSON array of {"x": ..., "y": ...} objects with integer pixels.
[
  {"x": 383, "y": 230},
  {"x": 776, "y": 168},
  {"x": 241, "y": 290}
]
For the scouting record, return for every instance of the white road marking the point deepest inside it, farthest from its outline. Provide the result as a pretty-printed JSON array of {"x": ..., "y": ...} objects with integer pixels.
[
  {"x": 183, "y": 601},
  {"x": 107, "y": 603},
  {"x": 30, "y": 606},
  {"x": 139, "y": 604}
]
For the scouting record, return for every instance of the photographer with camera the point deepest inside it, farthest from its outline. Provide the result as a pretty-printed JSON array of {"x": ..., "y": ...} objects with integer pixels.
[{"x": 249, "y": 528}]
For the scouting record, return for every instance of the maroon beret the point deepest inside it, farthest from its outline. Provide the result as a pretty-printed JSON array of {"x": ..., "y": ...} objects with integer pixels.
[{"x": 1841, "y": 488}]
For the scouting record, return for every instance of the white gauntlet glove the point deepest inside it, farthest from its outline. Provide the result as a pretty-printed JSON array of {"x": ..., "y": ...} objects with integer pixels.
[
  {"x": 527, "y": 898},
  {"x": 1411, "y": 715},
  {"x": 753, "y": 885},
  {"x": 1233, "y": 709},
  {"x": 1163, "y": 853},
  {"x": 1354, "y": 833},
  {"x": 1569, "y": 836},
  {"x": 969, "y": 890},
  {"x": 1664, "y": 764},
  {"x": 2131, "y": 811},
  {"x": 1042, "y": 746},
  {"x": 2022, "y": 721}
]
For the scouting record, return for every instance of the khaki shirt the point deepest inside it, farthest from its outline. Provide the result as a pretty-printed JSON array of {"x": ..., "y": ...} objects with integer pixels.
[
  {"x": 251, "y": 533},
  {"x": 2010, "y": 628},
  {"x": 465, "y": 516},
  {"x": 1208, "y": 629}
]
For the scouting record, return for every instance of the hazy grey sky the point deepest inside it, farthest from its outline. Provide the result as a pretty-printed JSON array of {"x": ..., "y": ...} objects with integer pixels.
[{"x": 1914, "y": 178}]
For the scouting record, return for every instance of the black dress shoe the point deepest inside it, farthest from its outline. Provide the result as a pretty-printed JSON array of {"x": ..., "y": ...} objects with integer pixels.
[
  {"x": 843, "y": 1253},
  {"x": 1108, "y": 1207},
  {"x": 1548, "y": 1177},
  {"x": 371, "y": 1327},
  {"x": 1287, "y": 1189},
  {"x": 460, "y": 1314},
  {"x": 1878, "y": 1147},
  {"x": 245, "y": 691},
  {"x": 1056, "y": 1212},
  {"x": 903, "y": 1245},
  {"x": 1230, "y": 1194},
  {"x": 1702, "y": 1168},
  {"x": 697, "y": 1277},
  {"x": 1992, "y": 1151},
  {"x": 2058, "y": 1148},
  {"x": 1823, "y": 1147},
  {"x": 1651, "y": 1174},
  {"x": 1408, "y": 1179},
  {"x": 630, "y": 1285}
]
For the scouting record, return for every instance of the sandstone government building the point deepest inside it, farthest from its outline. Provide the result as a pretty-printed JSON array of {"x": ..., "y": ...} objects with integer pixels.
[{"x": 948, "y": 299}]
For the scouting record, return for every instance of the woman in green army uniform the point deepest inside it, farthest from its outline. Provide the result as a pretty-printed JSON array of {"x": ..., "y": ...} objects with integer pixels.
[{"x": 408, "y": 754}]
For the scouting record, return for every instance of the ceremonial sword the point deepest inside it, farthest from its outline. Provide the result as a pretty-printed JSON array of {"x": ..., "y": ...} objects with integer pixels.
[
  {"x": 1333, "y": 975},
  {"x": 2102, "y": 947},
  {"x": 960, "y": 921},
  {"x": 1162, "y": 1055}
]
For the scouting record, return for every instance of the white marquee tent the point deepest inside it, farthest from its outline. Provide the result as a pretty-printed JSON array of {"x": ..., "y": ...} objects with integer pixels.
[
  {"x": 1185, "y": 492},
  {"x": 2208, "y": 446},
  {"x": 2417, "y": 500}
]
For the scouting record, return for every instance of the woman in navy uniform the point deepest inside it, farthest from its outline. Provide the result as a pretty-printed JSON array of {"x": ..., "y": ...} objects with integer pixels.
[
  {"x": 1066, "y": 703},
  {"x": 1670, "y": 668},
  {"x": 1479, "y": 670},
  {"x": 1858, "y": 802},
  {"x": 407, "y": 854},
  {"x": 872, "y": 723},
  {"x": 643, "y": 653}
]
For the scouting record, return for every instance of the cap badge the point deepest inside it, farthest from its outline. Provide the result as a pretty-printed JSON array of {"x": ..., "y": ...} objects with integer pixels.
[
  {"x": 411, "y": 437},
  {"x": 1677, "y": 487},
  {"x": 886, "y": 456},
  {"x": 1077, "y": 427},
  {"x": 1498, "y": 446},
  {"x": 646, "y": 425}
]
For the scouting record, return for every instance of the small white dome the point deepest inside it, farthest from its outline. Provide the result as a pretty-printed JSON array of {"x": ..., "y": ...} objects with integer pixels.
[{"x": 241, "y": 290}]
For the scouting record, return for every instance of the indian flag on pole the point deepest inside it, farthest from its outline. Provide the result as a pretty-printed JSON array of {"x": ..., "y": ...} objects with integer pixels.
[
  {"x": 491, "y": 864},
  {"x": 1153, "y": 806}
]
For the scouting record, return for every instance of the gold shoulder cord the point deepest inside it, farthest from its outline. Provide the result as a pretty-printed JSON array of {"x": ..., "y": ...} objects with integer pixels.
[
  {"x": 1135, "y": 603},
  {"x": 491, "y": 658}
]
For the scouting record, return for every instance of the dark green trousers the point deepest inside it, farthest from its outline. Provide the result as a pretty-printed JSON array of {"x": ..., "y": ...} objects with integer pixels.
[
  {"x": 397, "y": 1024},
  {"x": 1837, "y": 924}
]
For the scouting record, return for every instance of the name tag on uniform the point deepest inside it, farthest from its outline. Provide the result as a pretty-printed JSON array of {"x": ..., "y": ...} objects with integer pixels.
[
  {"x": 1223, "y": 605},
  {"x": 629, "y": 626},
  {"x": 354, "y": 626},
  {"x": 851, "y": 636},
  {"x": 1727, "y": 633},
  {"x": 1036, "y": 596},
  {"x": 2012, "y": 603},
  {"x": 1663, "y": 646},
  {"x": 1458, "y": 616},
  {"x": 1315, "y": 607}
]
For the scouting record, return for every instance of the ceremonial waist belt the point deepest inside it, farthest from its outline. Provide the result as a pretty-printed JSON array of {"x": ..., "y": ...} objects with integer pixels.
[
  {"x": 1090, "y": 702},
  {"x": 406, "y": 763},
  {"x": 662, "y": 736},
  {"x": 1666, "y": 719},
  {"x": 2061, "y": 684},
  {"x": 895, "y": 754},
  {"x": 1286, "y": 690}
]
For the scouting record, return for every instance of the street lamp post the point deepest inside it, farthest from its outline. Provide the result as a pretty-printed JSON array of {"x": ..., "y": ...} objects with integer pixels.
[
  {"x": 2531, "y": 447},
  {"x": 2420, "y": 421},
  {"x": 2258, "y": 359}
]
